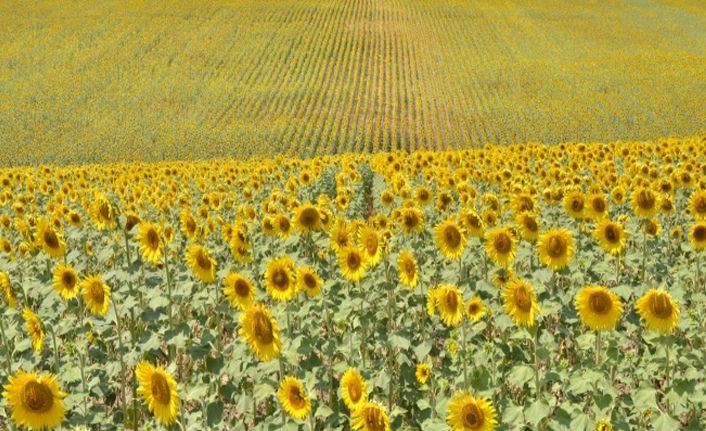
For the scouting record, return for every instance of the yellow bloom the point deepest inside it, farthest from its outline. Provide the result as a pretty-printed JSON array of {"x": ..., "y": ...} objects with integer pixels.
[
  {"x": 500, "y": 246},
  {"x": 697, "y": 204},
  {"x": 36, "y": 401},
  {"x": 520, "y": 302},
  {"x": 201, "y": 263},
  {"x": 158, "y": 391},
  {"x": 66, "y": 282},
  {"x": 293, "y": 398},
  {"x": 279, "y": 279},
  {"x": 450, "y": 239},
  {"x": 697, "y": 235},
  {"x": 371, "y": 244},
  {"x": 644, "y": 202},
  {"x": 468, "y": 413},
  {"x": 659, "y": 311},
  {"x": 239, "y": 290},
  {"x": 370, "y": 417},
  {"x": 353, "y": 389},
  {"x": 475, "y": 308},
  {"x": 150, "y": 242},
  {"x": 407, "y": 268},
  {"x": 49, "y": 240},
  {"x": 528, "y": 225},
  {"x": 352, "y": 263},
  {"x": 422, "y": 372},
  {"x": 556, "y": 248},
  {"x": 309, "y": 281},
  {"x": 261, "y": 332},
  {"x": 411, "y": 220},
  {"x": 604, "y": 425},
  {"x": 611, "y": 236},
  {"x": 574, "y": 204},
  {"x": 450, "y": 302},
  {"x": 599, "y": 308},
  {"x": 34, "y": 329},
  {"x": 96, "y": 294},
  {"x": 307, "y": 219},
  {"x": 7, "y": 291}
]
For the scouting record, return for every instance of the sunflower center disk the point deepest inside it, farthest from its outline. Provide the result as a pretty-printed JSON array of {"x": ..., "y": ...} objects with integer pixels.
[
  {"x": 355, "y": 391},
  {"x": 472, "y": 416},
  {"x": 309, "y": 281},
  {"x": 556, "y": 247},
  {"x": 280, "y": 280},
  {"x": 262, "y": 328},
  {"x": 662, "y": 307},
  {"x": 611, "y": 234},
  {"x": 242, "y": 288},
  {"x": 502, "y": 244},
  {"x": 160, "y": 388},
  {"x": 452, "y": 237},
  {"x": 203, "y": 262},
  {"x": 523, "y": 300},
  {"x": 600, "y": 303},
  {"x": 374, "y": 421},
  {"x": 353, "y": 261},
  {"x": 97, "y": 292},
  {"x": 50, "y": 239},
  {"x": 700, "y": 233},
  {"x": 68, "y": 279},
  {"x": 152, "y": 239},
  {"x": 577, "y": 205},
  {"x": 295, "y": 398},
  {"x": 645, "y": 200},
  {"x": 309, "y": 217},
  {"x": 37, "y": 397}
]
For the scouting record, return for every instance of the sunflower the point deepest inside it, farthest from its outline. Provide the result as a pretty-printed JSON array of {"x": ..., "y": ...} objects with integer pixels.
[
  {"x": 528, "y": 226},
  {"x": 340, "y": 236},
  {"x": 658, "y": 310},
  {"x": 468, "y": 413},
  {"x": 261, "y": 332},
  {"x": 520, "y": 302},
  {"x": 201, "y": 263},
  {"x": 307, "y": 219},
  {"x": 102, "y": 213},
  {"x": 34, "y": 329},
  {"x": 431, "y": 301},
  {"x": 96, "y": 294},
  {"x": 644, "y": 202},
  {"x": 500, "y": 246},
  {"x": 158, "y": 391},
  {"x": 279, "y": 279},
  {"x": 239, "y": 290},
  {"x": 189, "y": 226},
  {"x": 150, "y": 242},
  {"x": 293, "y": 398},
  {"x": 472, "y": 223},
  {"x": 352, "y": 263},
  {"x": 611, "y": 236},
  {"x": 411, "y": 220},
  {"x": 65, "y": 282},
  {"x": 475, "y": 308},
  {"x": 574, "y": 204},
  {"x": 370, "y": 416},
  {"x": 309, "y": 281},
  {"x": 697, "y": 235},
  {"x": 450, "y": 238},
  {"x": 371, "y": 244},
  {"x": 604, "y": 425},
  {"x": 597, "y": 207},
  {"x": 353, "y": 389},
  {"x": 450, "y": 302},
  {"x": 556, "y": 248},
  {"x": 36, "y": 400},
  {"x": 283, "y": 225},
  {"x": 598, "y": 307},
  {"x": 423, "y": 196},
  {"x": 652, "y": 227},
  {"x": 697, "y": 205},
  {"x": 423, "y": 372},
  {"x": 7, "y": 291},
  {"x": 49, "y": 240},
  {"x": 407, "y": 268}
]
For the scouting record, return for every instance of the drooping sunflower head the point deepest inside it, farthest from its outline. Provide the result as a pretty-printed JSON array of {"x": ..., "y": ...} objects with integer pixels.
[
  {"x": 293, "y": 398},
  {"x": 201, "y": 263},
  {"x": 599, "y": 308},
  {"x": 309, "y": 281},
  {"x": 697, "y": 205},
  {"x": 520, "y": 302},
  {"x": 500, "y": 246},
  {"x": 239, "y": 290},
  {"x": 556, "y": 248},
  {"x": 50, "y": 240},
  {"x": 34, "y": 328},
  {"x": 528, "y": 226},
  {"x": 353, "y": 389},
  {"x": 644, "y": 202},
  {"x": 66, "y": 282},
  {"x": 658, "y": 310},
  {"x": 7, "y": 292},
  {"x": 158, "y": 391},
  {"x": 36, "y": 401},
  {"x": 450, "y": 238},
  {"x": 261, "y": 332},
  {"x": 475, "y": 308},
  {"x": 422, "y": 373},
  {"x": 280, "y": 279},
  {"x": 352, "y": 263},
  {"x": 96, "y": 295},
  {"x": 307, "y": 218},
  {"x": 450, "y": 302},
  {"x": 370, "y": 416},
  {"x": 469, "y": 413},
  {"x": 150, "y": 242},
  {"x": 697, "y": 235},
  {"x": 611, "y": 236},
  {"x": 407, "y": 268}
]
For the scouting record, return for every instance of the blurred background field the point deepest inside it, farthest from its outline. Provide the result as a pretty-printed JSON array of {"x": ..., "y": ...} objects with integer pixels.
[{"x": 133, "y": 80}]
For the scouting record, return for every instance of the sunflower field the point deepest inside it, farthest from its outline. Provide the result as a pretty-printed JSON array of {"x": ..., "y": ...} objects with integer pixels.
[{"x": 514, "y": 287}]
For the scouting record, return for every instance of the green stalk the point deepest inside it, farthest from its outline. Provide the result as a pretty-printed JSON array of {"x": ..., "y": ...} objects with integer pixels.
[
  {"x": 6, "y": 343},
  {"x": 669, "y": 372},
  {"x": 122, "y": 361},
  {"x": 536, "y": 359},
  {"x": 644, "y": 253},
  {"x": 56, "y": 352},
  {"x": 82, "y": 362},
  {"x": 464, "y": 358},
  {"x": 599, "y": 346}
]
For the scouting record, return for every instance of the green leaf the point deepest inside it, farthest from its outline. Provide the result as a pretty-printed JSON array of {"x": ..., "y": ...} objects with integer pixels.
[
  {"x": 399, "y": 342},
  {"x": 422, "y": 350},
  {"x": 214, "y": 412},
  {"x": 537, "y": 411},
  {"x": 582, "y": 422},
  {"x": 666, "y": 423},
  {"x": 521, "y": 374}
]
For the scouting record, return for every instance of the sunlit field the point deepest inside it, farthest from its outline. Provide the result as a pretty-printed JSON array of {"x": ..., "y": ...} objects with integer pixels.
[
  {"x": 106, "y": 80},
  {"x": 500, "y": 288}
]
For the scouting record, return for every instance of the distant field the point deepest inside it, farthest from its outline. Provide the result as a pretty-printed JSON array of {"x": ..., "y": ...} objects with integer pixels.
[{"x": 134, "y": 80}]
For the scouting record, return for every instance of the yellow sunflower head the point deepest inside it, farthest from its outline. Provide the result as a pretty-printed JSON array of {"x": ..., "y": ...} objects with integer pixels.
[
  {"x": 201, "y": 263},
  {"x": 407, "y": 268},
  {"x": 528, "y": 226},
  {"x": 604, "y": 425},
  {"x": 556, "y": 248},
  {"x": 611, "y": 236},
  {"x": 309, "y": 281},
  {"x": 475, "y": 308},
  {"x": 352, "y": 263},
  {"x": 158, "y": 391},
  {"x": 469, "y": 413},
  {"x": 597, "y": 207},
  {"x": 239, "y": 290},
  {"x": 353, "y": 389},
  {"x": 34, "y": 328},
  {"x": 261, "y": 332},
  {"x": 150, "y": 242},
  {"x": 370, "y": 416},
  {"x": 697, "y": 235},
  {"x": 50, "y": 240},
  {"x": 372, "y": 245},
  {"x": 293, "y": 398},
  {"x": 7, "y": 291},
  {"x": 658, "y": 310},
  {"x": 280, "y": 279},
  {"x": 96, "y": 295},
  {"x": 697, "y": 205},
  {"x": 450, "y": 302},
  {"x": 422, "y": 372},
  {"x": 500, "y": 246},
  {"x": 652, "y": 227},
  {"x": 450, "y": 238},
  {"x": 307, "y": 219},
  {"x": 599, "y": 308},
  {"x": 472, "y": 223},
  {"x": 574, "y": 204},
  {"x": 36, "y": 401},
  {"x": 520, "y": 302},
  {"x": 66, "y": 282},
  {"x": 645, "y": 202},
  {"x": 283, "y": 225},
  {"x": 411, "y": 220}
]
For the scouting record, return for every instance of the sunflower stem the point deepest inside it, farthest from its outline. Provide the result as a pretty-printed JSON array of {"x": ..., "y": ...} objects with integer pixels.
[
  {"x": 599, "y": 346},
  {"x": 669, "y": 372},
  {"x": 56, "y": 351},
  {"x": 535, "y": 337},
  {"x": 122, "y": 361},
  {"x": 464, "y": 358},
  {"x": 82, "y": 363},
  {"x": 6, "y": 344},
  {"x": 644, "y": 253},
  {"x": 169, "y": 298},
  {"x": 254, "y": 406}
]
